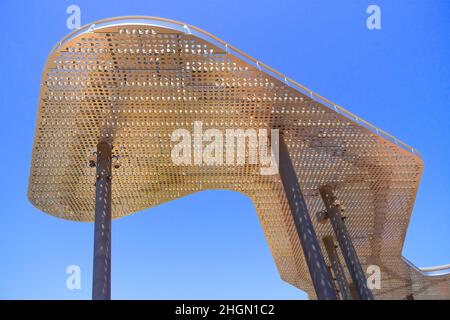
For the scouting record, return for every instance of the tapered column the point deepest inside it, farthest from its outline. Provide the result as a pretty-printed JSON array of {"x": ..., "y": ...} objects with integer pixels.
[
  {"x": 101, "y": 284},
  {"x": 345, "y": 243},
  {"x": 308, "y": 239},
  {"x": 336, "y": 266}
]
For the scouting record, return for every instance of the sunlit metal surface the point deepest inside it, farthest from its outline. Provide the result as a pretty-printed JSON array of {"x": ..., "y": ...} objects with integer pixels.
[{"x": 134, "y": 80}]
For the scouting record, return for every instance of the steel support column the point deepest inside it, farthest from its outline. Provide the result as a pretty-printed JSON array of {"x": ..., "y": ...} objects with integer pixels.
[
  {"x": 101, "y": 283},
  {"x": 345, "y": 243},
  {"x": 308, "y": 239},
  {"x": 336, "y": 266}
]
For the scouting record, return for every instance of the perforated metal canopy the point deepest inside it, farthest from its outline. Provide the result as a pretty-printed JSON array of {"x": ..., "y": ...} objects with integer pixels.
[{"x": 134, "y": 80}]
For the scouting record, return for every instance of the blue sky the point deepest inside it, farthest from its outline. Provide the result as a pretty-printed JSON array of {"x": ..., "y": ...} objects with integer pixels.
[{"x": 210, "y": 245}]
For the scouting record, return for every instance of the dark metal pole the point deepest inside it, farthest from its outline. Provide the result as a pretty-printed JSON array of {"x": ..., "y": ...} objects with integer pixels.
[
  {"x": 337, "y": 268},
  {"x": 344, "y": 240},
  {"x": 308, "y": 239},
  {"x": 101, "y": 284}
]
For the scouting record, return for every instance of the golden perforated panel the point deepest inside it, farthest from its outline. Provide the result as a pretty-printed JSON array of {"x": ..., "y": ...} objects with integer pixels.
[{"x": 135, "y": 80}]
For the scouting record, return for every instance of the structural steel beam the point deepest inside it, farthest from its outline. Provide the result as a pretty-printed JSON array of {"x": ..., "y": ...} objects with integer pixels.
[
  {"x": 311, "y": 249},
  {"x": 101, "y": 284},
  {"x": 336, "y": 266},
  {"x": 345, "y": 243}
]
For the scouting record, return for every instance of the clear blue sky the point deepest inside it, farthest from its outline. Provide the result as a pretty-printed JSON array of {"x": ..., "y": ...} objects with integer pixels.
[{"x": 211, "y": 245}]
